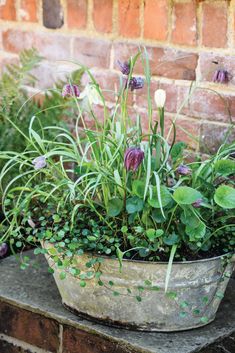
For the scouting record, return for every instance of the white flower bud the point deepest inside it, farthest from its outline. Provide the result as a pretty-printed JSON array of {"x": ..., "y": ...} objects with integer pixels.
[{"x": 160, "y": 98}]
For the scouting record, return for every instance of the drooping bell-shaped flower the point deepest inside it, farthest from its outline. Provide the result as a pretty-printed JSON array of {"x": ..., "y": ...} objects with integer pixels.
[
  {"x": 124, "y": 67},
  {"x": 160, "y": 98},
  {"x": 133, "y": 157},
  {"x": 91, "y": 93},
  {"x": 39, "y": 162},
  {"x": 3, "y": 249},
  {"x": 70, "y": 90},
  {"x": 184, "y": 170},
  {"x": 197, "y": 203},
  {"x": 136, "y": 83},
  {"x": 221, "y": 76}
]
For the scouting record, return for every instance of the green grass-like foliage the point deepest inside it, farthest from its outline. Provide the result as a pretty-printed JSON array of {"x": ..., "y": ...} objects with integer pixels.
[{"x": 84, "y": 199}]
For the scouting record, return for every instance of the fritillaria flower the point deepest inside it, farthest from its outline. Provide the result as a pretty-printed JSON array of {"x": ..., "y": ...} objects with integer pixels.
[
  {"x": 70, "y": 90},
  {"x": 160, "y": 98},
  {"x": 183, "y": 170},
  {"x": 197, "y": 203},
  {"x": 124, "y": 67},
  {"x": 133, "y": 157},
  {"x": 221, "y": 76},
  {"x": 39, "y": 162},
  {"x": 91, "y": 94},
  {"x": 3, "y": 249},
  {"x": 136, "y": 83}
]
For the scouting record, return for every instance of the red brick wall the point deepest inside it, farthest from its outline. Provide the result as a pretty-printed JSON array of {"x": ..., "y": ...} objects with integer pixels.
[{"x": 183, "y": 38}]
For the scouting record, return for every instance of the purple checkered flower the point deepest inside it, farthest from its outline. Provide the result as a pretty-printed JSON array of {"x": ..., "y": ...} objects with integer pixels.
[
  {"x": 3, "y": 249},
  {"x": 124, "y": 67},
  {"x": 70, "y": 90},
  {"x": 133, "y": 157},
  {"x": 197, "y": 203},
  {"x": 39, "y": 162},
  {"x": 184, "y": 170},
  {"x": 221, "y": 76},
  {"x": 136, "y": 83}
]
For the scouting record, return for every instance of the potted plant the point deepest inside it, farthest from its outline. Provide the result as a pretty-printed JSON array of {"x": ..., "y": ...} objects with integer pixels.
[{"x": 136, "y": 235}]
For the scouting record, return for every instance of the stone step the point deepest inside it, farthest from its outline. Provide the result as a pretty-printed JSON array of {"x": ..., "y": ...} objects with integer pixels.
[{"x": 33, "y": 320}]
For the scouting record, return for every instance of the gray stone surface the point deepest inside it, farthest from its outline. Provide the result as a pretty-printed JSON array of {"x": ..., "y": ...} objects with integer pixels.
[{"x": 35, "y": 289}]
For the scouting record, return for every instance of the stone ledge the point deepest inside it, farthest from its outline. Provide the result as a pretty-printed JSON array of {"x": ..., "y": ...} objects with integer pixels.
[{"x": 30, "y": 302}]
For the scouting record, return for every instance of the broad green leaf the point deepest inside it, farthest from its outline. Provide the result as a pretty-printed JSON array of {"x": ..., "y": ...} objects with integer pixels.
[
  {"x": 165, "y": 197},
  {"x": 177, "y": 150},
  {"x": 134, "y": 204},
  {"x": 225, "y": 167},
  {"x": 196, "y": 233},
  {"x": 115, "y": 206},
  {"x": 225, "y": 196},
  {"x": 171, "y": 239},
  {"x": 138, "y": 188},
  {"x": 185, "y": 195}
]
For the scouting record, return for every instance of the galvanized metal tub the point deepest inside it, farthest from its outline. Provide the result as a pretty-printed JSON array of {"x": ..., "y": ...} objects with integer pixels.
[{"x": 135, "y": 297}]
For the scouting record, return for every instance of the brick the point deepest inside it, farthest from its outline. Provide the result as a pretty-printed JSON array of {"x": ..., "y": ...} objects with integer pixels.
[
  {"x": 210, "y": 62},
  {"x": 28, "y": 10},
  {"x": 29, "y": 327},
  {"x": 8, "y": 10},
  {"x": 129, "y": 18},
  {"x": 170, "y": 63},
  {"x": 184, "y": 25},
  {"x": 212, "y": 136},
  {"x": 52, "y": 14},
  {"x": 92, "y": 52},
  {"x": 77, "y": 13},
  {"x": 52, "y": 46},
  {"x": 77, "y": 341},
  {"x": 208, "y": 104},
  {"x": 156, "y": 19},
  {"x": 214, "y": 25},
  {"x": 102, "y": 15},
  {"x": 6, "y": 347}
]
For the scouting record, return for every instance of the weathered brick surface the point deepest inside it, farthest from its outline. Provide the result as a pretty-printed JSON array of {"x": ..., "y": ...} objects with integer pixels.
[
  {"x": 214, "y": 26},
  {"x": 129, "y": 18},
  {"x": 156, "y": 19},
  {"x": 208, "y": 104},
  {"x": 52, "y": 46},
  {"x": 170, "y": 63},
  {"x": 28, "y": 10},
  {"x": 213, "y": 135},
  {"x": 92, "y": 52},
  {"x": 184, "y": 30},
  {"x": 29, "y": 327},
  {"x": 209, "y": 63},
  {"x": 8, "y": 10},
  {"x": 77, "y": 341},
  {"x": 102, "y": 15},
  {"x": 76, "y": 13}
]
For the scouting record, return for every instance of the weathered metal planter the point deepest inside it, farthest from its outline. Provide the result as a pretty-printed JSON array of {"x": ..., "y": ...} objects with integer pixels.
[{"x": 135, "y": 298}]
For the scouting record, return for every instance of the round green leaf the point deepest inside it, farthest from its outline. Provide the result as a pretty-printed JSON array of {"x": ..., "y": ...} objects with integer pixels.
[
  {"x": 165, "y": 197},
  {"x": 138, "y": 188},
  {"x": 114, "y": 207},
  {"x": 225, "y": 196},
  {"x": 185, "y": 195},
  {"x": 225, "y": 167},
  {"x": 134, "y": 204}
]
